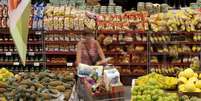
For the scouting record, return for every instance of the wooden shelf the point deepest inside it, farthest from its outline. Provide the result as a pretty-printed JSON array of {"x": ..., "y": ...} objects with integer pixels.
[
  {"x": 111, "y": 32},
  {"x": 55, "y": 64},
  {"x": 61, "y": 42},
  {"x": 130, "y": 75},
  {"x": 174, "y": 64},
  {"x": 62, "y": 31},
  {"x": 12, "y": 43},
  {"x": 28, "y": 53},
  {"x": 129, "y": 43},
  {"x": 59, "y": 53},
  {"x": 179, "y": 42},
  {"x": 177, "y": 32},
  {"x": 183, "y": 53},
  {"x": 18, "y": 63},
  {"x": 129, "y": 64}
]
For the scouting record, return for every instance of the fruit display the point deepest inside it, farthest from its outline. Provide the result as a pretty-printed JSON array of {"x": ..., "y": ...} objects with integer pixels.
[
  {"x": 161, "y": 81},
  {"x": 151, "y": 93},
  {"x": 183, "y": 20},
  {"x": 5, "y": 74},
  {"x": 38, "y": 86},
  {"x": 187, "y": 98},
  {"x": 130, "y": 20},
  {"x": 150, "y": 88},
  {"x": 189, "y": 81}
]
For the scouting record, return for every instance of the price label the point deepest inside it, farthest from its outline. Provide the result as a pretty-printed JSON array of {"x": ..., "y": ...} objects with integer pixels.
[
  {"x": 8, "y": 53},
  {"x": 31, "y": 53},
  {"x": 121, "y": 32},
  {"x": 38, "y": 33},
  {"x": 16, "y": 63},
  {"x": 69, "y": 64},
  {"x": 133, "y": 82},
  {"x": 122, "y": 43},
  {"x": 36, "y": 64}
]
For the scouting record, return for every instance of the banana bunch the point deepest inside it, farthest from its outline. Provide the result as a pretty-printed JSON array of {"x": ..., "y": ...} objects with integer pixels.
[
  {"x": 182, "y": 20},
  {"x": 5, "y": 74}
]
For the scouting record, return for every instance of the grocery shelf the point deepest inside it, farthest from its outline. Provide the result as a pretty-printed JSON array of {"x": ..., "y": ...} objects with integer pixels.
[
  {"x": 128, "y": 43},
  {"x": 130, "y": 64},
  {"x": 55, "y": 64},
  {"x": 180, "y": 42},
  {"x": 31, "y": 31},
  {"x": 176, "y": 32},
  {"x": 119, "y": 32},
  {"x": 29, "y": 53},
  {"x": 59, "y": 53},
  {"x": 61, "y": 42},
  {"x": 11, "y": 42},
  {"x": 182, "y": 53},
  {"x": 62, "y": 31},
  {"x": 18, "y": 63},
  {"x": 124, "y": 53},
  {"x": 174, "y": 64}
]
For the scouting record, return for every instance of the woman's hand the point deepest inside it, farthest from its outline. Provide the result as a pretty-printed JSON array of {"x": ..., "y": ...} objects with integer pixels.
[{"x": 102, "y": 62}]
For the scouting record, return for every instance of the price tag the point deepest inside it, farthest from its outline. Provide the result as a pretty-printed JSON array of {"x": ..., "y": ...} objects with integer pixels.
[
  {"x": 31, "y": 53},
  {"x": 122, "y": 43},
  {"x": 133, "y": 82},
  {"x": 69, "y": 64},
  {"x": 8, "y": 53},
  {"x": 36, "y": 64},
  {"x": 38, "y": 33},
  {"x": 121, "y": 32},
  {"x": 16, "y": 63}
]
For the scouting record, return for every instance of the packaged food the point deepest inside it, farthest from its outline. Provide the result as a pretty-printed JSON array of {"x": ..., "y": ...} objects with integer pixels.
[
  {"x": 4, "y": 22},
  {"x": 140, "y": 6}
]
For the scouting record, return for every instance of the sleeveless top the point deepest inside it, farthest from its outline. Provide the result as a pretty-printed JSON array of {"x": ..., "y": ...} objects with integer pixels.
[{"x": 92, "y": 50}]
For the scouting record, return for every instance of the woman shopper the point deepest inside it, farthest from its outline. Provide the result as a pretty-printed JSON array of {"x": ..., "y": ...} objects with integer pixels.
[{"x": 89, "y": 52}]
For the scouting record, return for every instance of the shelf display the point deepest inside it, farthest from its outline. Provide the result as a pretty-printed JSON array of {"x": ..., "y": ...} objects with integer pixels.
[
  {"x": 151, "y": 87},
  {"x": 172, "y": 21},
  {"x": 3, "y": 15}
]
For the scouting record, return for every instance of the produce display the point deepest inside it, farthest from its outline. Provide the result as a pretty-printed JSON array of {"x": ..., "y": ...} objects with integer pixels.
[
  {"x": 37, "y": 86},
  {"x": 182, "y": 20},
  {"x": 5, "y": 74},
  {"x": 150, "y": 88},
  {"x": 189, "y": 81}
]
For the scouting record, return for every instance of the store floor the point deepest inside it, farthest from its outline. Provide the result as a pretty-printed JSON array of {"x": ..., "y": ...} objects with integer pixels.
[{"x": 127, "y": 93}]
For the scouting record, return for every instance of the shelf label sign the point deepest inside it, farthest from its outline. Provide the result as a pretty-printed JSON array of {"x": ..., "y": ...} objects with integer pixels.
[
  {"x": 38, "y": 32},
  {"x": 16, "y": 63},
  {"x": 8, "y": 53},
  {"x": 36, "y": 64},
  {"x": 31, "y": 53},
  {"x": 69, "y": 64}
]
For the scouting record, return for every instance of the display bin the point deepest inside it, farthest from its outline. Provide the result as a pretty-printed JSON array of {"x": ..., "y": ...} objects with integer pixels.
[{"x": 115, "y": 94}]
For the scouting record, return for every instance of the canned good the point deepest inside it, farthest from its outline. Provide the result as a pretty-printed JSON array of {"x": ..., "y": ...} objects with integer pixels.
[{"x": 149, "y": 7}]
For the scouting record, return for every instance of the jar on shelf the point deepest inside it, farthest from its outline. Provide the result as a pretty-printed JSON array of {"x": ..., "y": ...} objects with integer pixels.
[
  {"x": 149, "y": 7},
  {"x": 140, "y": 6},
  {"x": 164, "y": 8}
]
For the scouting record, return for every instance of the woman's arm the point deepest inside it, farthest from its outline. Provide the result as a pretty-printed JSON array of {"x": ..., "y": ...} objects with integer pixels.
[
  {"x": 78, "y": 54},
  {"x": 101, "y": 54}
]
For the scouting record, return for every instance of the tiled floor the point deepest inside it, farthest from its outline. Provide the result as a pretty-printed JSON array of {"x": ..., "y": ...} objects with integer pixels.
[{"x": 127, "y": 93}]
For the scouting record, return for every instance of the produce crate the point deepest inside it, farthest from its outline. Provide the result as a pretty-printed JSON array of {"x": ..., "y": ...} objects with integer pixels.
[{"x": 116, "y": 93}]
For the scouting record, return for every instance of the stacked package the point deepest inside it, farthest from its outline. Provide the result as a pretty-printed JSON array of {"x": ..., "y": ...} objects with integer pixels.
[
  {"x": 66, "y": 18},
  {"x": 37, "y": 16}
]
